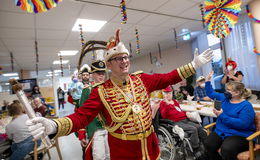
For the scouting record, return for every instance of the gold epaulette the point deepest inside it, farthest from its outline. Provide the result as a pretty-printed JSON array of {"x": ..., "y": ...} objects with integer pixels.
[
  {"x": 137, "y": 72},
  {"x": 97, "y": 84},
  {"x": 64, "y": 126},
  {"x": 186, "y": 71}
]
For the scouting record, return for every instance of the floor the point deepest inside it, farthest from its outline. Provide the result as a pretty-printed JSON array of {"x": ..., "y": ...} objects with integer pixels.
[{"x": 69, "y": 145}]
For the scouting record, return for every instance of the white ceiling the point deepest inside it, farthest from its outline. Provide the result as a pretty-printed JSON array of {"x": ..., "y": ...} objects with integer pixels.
[{"x": 17, "y": 28}]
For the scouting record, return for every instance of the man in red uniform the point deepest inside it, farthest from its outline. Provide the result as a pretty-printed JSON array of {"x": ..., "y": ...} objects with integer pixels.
[{"x": 123, "y": 103}]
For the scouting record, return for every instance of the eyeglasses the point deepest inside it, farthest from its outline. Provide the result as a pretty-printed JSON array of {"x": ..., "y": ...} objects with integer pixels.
[{"x": 119, "y": 59}]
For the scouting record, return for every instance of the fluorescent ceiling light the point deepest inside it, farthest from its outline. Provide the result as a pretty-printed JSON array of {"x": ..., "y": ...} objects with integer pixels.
[
  {"x": 63, "y": 62},
  {"x": 10, "y": 74},
  {"x": 88, "y": 25},
  {"x": 14, "y": 78},
  {"x": 7, "y": 84},
  {"x": 49, "y": 72},
  {"x": 57, "y": 71},
  {"x": 48, "y": 75},
  {"x": 68, "y": 53}
]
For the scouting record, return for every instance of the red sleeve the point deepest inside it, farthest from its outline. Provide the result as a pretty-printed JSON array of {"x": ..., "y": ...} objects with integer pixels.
[
  {"x": 160, "y": 81},
  {"x": 163, "y": 110},
  {"x": 82, "y": 134},
  {"x": 87, "y": 112},
  {"x": 176, "y": 103}
]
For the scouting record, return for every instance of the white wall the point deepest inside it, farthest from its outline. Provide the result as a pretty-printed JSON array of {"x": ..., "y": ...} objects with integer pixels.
[{"x": 171, "y": 59}]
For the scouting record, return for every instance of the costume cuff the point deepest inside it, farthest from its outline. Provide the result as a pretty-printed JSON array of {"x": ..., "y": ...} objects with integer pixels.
[
  {"x": 186, "y": 71},
  {"x": 82, "y": 134},
  {"x": 64, "y": 126}
]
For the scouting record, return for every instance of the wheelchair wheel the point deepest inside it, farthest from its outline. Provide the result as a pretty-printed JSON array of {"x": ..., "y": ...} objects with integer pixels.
[{"x": 166, "y": 144}]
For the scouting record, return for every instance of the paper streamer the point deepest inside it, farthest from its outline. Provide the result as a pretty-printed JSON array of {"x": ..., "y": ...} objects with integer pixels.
[
  {"x": 123, "y": 12},
  {"x": 137, "y": 41}
]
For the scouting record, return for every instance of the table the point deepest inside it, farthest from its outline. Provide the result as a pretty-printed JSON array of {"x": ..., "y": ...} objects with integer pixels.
[{"x": 204, "y": 109}]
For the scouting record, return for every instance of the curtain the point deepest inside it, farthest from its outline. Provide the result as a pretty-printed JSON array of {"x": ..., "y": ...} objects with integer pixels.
[{"x": 239, "y": 47}]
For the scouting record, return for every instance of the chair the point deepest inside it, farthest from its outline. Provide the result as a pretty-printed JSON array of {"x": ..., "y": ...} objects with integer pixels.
[
  {"x": 253, "y": 149},
  {"x": 43, "y": 149}
]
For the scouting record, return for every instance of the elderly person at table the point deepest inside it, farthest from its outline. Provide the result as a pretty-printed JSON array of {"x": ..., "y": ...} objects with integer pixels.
[
  {"x": 235, "y": 121},
  {"x": 39, "y": 108},
  {"x": 170, "y": 109},
  {"x": 199, "y": 91},
  {"x": 18, "y": 132}
]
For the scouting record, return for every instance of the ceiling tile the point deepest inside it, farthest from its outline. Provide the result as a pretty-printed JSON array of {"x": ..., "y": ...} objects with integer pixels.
[
  {"x": 52, "y": 34},
  {"x": 16, "y": 20},
  {"x": 76, "y": 36},
  {"x": 112, "y": 27},
  {"x": 97, "y": 12},
  {"x": 17, "y": 33},
  {"x": 153, "y": 20},
  {"x": 193, "y": 12},
  {"x": 53, "y": 19},
  {"x": 149, "y": 5},
  {"x": 173, "y": 22},
  {"x": 174, "y": 7},
  {"x": 9, "y": 6}
]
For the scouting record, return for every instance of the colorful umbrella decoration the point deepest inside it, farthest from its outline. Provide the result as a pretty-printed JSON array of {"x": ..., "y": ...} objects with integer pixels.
[
  {"x": 36, "y": 6},
  {"x": 221, "y": 16}
]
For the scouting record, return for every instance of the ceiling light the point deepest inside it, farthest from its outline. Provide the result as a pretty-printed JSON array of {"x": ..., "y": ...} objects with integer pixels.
[
  {"x": 7, "y": 84},
  {"x": 49, "y": 72},
  {"x": 63, "y": 62},
  {"x": 14, "y": 78},
  {"x": 48, "y": 75},
  {"x": 88, "y": 25},
  {"x": 10, "y": 74},
  {"x": 68, "y": 53},
  {"x": 186, "y": 37},
  {"x": 57, "y": 71}
]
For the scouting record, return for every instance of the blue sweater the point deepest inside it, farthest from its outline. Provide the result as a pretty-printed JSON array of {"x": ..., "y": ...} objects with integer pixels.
[{"x": 236, "y": 119}]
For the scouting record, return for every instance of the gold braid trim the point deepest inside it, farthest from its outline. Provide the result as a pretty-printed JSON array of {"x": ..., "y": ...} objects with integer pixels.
[
  {"x": 186, "y": 71},
  {"x": 64, "y": 126},
  {"x": 113, "y": 116}
]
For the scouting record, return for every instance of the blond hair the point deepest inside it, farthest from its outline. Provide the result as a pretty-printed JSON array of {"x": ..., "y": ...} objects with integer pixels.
[{"x": 239, "y": 86}]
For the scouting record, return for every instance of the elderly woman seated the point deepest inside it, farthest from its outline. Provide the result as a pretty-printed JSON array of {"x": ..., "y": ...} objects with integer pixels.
[
  {"x": 235, "y": 121},
  {"x": 39, "y": 108},
  {"x": 170, "y": 109}
]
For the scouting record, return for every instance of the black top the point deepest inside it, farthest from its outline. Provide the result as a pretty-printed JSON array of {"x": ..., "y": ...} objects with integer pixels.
[
  {"x": 236, "y": 75},
  {"x": 189, "y": 88}
]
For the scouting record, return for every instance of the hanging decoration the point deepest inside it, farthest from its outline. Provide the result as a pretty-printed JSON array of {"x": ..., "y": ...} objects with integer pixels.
[
  {"x": 256, "y": 51},
  {"x": 81, "y": 35},
  {"x": 175, "y": 38},
  {"x": 137, "y": 41},
  {"x": 202, "y": 15},
  {"x": 61, "y": 66},
  {"x": 160, "y": 53},
  {"x": 221, "y": 16},
  {"x": 12, "y": 61},
  {"x": 130, "y": 48},
  {"x": 1, "y": 70},
  {"x": 123, "y": 12},
  {"x": 36, "y": 6},
  {"x": 251, "y": 15},
  {"x": 151, "y": 57},
  {"x": 37, "y": 69}
]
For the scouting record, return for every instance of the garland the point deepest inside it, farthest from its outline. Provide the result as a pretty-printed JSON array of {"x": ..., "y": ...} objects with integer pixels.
[
  {"x": 137, "y": 41},
  {"x": 81, "y": 35},
  {"x": 123, "y": 12},
  {"x": 256, "y": 51},
  {"x": 251, "y": 15},
  {"x": 61, "y": 66}
]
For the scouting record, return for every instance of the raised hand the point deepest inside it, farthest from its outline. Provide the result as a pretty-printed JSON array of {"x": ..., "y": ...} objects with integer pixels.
[
  {"x": 202, "y": 59},
  {"x": 209, "y": 76}
]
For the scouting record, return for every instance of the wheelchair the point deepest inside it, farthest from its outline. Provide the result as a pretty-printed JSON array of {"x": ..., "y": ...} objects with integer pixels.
[{"x": 171, "y": 145}]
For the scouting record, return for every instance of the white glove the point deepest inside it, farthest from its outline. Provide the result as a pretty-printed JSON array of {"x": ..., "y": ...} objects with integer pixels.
[
  {"x": 203, "y": 58},
  {"x": 39, "y": 125},
  {"x": 178, "y": 130}
]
